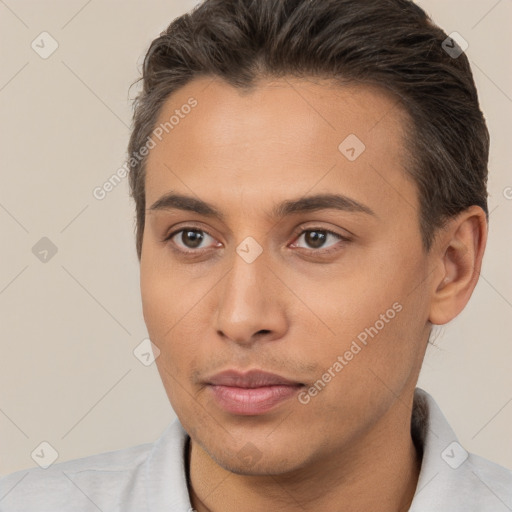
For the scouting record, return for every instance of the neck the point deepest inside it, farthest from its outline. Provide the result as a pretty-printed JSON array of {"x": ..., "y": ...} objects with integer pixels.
[{"x": 379, "y": 472}]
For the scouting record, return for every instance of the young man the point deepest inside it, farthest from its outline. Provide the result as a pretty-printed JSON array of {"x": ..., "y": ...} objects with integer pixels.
[{"x": 310, "y": 187}]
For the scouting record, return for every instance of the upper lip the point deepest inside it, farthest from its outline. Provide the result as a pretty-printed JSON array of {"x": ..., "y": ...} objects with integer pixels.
[{"x": 250, "y": 379}]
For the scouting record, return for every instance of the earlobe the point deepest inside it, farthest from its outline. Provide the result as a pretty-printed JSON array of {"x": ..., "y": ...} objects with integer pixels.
[{"x": 460, "y": 250}]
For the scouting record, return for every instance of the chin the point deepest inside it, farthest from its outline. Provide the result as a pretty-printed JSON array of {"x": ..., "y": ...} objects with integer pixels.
[{"x": 250, "y": 462}]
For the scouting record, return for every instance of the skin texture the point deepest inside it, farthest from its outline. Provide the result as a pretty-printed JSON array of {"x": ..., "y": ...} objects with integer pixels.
[{"x": 295, "y": 309}]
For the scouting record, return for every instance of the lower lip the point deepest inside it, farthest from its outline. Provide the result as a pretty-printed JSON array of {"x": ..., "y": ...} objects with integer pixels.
[{"x": 252, "y": 401}]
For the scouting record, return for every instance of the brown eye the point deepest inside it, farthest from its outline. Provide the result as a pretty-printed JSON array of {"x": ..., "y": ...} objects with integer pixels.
[
  {"x": 315, "y": 239},
  {"x": 189, "y": 240}
]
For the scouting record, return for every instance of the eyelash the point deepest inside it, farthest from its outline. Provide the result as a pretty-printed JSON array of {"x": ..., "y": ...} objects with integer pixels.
[{"x": 298, "y": 233}]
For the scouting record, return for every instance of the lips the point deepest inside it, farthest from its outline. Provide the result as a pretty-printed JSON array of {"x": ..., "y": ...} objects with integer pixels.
[
  {"x": 251, "y": 393},
  {"x": 251, "y": 379}
]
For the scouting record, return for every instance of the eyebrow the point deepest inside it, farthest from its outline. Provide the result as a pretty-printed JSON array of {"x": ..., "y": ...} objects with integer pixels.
[{"x": 175, "y": 201}]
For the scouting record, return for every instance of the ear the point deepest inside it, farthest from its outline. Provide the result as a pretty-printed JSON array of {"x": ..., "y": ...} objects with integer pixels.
[{"x": 458, "y": 252}]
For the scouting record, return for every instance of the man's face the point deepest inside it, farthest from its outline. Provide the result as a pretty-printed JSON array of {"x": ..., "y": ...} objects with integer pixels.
[{"x": 344, "y": 316}]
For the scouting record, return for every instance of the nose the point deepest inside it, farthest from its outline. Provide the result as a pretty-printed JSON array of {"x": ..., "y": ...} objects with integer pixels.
[{"x": 250, "y": 304}]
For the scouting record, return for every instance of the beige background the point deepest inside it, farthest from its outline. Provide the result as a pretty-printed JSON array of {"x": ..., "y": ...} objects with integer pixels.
[{"x": 69, "y": 326}]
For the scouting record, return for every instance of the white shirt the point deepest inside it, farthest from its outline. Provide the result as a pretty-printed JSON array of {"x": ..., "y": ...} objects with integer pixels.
[{"x": 151, "y": 477}]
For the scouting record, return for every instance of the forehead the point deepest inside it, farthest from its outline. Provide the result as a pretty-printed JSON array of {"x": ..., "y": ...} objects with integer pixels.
[{"x": 282, "y": 137}]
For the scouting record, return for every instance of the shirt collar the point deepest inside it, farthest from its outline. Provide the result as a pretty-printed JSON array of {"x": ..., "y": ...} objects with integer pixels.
[
  {"x": 164, "y": 472},
  {"x": 450, "y": 477}
]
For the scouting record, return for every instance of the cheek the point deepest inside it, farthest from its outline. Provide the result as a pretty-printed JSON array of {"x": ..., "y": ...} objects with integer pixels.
[
  {"x": 172, "y": 317},
  {"x": 398, "y": 347},
  {"x": 379, "y": 315},
  {"x": 159, "y": 307},
  {"x": 163, "y": 299}
]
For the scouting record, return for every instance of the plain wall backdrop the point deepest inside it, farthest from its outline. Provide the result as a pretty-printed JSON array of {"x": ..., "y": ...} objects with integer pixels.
[{"x": 69, "y": 325}]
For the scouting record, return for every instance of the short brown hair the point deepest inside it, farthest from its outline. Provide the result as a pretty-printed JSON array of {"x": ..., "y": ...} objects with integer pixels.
[{"x": 389, "y": 43}]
